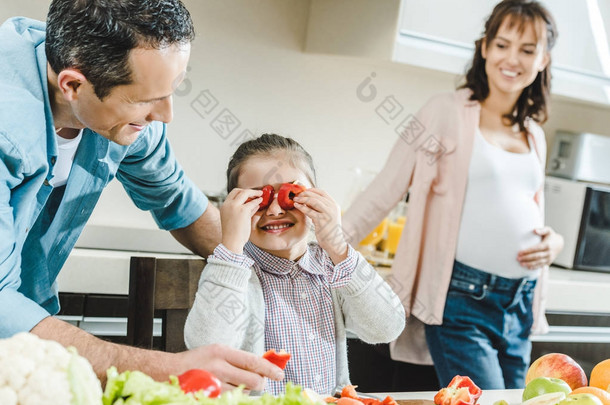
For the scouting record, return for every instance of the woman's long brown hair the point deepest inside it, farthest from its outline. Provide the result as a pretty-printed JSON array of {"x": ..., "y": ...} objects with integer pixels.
[{"x": 534, "y": 99}]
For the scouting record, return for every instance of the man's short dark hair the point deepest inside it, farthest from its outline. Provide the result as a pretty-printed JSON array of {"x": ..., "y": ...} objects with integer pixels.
[{"x": 96, "y": 36}]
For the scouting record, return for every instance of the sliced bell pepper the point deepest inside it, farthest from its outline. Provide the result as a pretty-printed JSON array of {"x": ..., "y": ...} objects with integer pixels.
[
  {"x": 460, "y": 391},
  {"x": 278, "y": 358},
  {"x": 349, "y": 391},
  {"x": 196, "y": 380},
  {"x": 268, "y": 193},
  {"x": 267, "y": 197},
  {"x": 286, "y": 194}
]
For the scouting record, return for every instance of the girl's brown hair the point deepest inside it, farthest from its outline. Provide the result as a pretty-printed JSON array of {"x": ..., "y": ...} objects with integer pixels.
[
  {"x": 534, "y": 99},
  {"x": 269, "y": 145}
]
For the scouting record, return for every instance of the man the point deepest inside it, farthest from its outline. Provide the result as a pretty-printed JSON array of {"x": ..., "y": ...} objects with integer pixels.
[{"x": 88, "y": 104}]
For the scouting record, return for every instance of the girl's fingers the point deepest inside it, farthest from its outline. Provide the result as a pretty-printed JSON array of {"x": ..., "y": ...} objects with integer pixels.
[{"x": 308, "y": 211}]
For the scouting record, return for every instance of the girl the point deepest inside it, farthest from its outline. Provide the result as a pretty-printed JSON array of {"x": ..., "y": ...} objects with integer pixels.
[
  {"x": 474, "y": 246},
  {"x": 265, "y": 287}
]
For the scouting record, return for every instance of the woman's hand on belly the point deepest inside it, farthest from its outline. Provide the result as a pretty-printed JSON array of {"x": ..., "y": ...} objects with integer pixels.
[{"x": 543, "y": 253}]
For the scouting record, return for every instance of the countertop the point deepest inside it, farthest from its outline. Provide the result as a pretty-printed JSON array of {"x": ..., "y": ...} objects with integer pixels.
[
  {"x": 107, "y": 272},
  {"x": 487, "y": 398}
]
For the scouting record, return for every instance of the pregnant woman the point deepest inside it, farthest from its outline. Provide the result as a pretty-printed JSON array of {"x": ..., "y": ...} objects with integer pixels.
[{"x": 475, "y": 246}]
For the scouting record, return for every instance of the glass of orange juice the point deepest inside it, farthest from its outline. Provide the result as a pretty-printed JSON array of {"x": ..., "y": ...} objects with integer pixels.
[
  {"x": 370, "y": 241},
  {"x": 395, "y": 229}
]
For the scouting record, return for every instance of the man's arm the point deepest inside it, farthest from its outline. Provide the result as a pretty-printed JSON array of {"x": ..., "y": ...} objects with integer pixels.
[
  {"x": 232, "y": 367},
  {"x": 203, "y": 235}
]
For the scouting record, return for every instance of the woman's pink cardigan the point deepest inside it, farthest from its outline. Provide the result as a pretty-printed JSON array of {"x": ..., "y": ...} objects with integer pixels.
[{"x": 431, "y": 159}]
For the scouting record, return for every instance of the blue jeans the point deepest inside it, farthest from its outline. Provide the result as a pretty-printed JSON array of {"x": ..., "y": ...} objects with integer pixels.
[{"x": 485, "y": 330}]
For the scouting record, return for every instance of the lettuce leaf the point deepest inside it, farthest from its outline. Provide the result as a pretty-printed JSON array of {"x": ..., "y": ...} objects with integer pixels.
[{"x": 136, "y": 388}]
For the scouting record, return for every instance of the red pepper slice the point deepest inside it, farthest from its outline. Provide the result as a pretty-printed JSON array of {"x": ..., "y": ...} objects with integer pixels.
[
  {"x": 267, "y": 197},
  {"x": 200, "y": 380},
  {"x": 460, "y": 391},
  {"x": 268, "y": 193},
  {"x": 349, "y": 391},
  {"x": 278, "y": 358},
  {"x": 286, "y": 194}
]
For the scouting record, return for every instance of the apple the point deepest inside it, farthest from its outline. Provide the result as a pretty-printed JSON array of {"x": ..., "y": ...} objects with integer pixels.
[
  {"x": 552, "y": 398},
  {"x": 581, "y": 399},
  {"x": 544, "y": 385},
  {"x": 557, "y": 365}
]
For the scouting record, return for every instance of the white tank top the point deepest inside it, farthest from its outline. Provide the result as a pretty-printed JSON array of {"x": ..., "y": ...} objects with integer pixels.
[
  {"x": 66, "y": 149},
  {"x": 499, "y": 213}
]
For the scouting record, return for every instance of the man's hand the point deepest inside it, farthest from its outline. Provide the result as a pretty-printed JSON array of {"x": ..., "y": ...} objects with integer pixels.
[{"x": 232, "y": 367}]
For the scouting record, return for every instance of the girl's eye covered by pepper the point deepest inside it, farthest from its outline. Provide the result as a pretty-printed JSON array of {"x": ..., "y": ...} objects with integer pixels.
[{"x": 285, "y": 195}]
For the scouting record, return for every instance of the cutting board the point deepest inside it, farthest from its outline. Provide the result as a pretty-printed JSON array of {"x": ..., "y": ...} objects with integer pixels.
[{"x": 414, "y": 402}]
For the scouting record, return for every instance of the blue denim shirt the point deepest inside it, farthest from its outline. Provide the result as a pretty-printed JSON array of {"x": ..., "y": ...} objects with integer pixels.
[{"x": 39, "y": 225}]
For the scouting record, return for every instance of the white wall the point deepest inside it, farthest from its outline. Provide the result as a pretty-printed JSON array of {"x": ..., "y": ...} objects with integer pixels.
[{"x": 248, "y": 55}]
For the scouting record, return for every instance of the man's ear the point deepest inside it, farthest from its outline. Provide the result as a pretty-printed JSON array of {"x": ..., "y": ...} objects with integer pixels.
[{"x": 69, "y": 82}]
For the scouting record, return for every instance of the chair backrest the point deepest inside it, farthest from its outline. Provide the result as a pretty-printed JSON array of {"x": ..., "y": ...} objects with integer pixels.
[{"x": 165, "y": 287}]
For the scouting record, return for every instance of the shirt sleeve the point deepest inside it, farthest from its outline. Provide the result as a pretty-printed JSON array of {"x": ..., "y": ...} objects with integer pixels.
[
  {"x": 222, "y": 253},
  {"x": 17, "y": 313},
  {"x": 228, "y": 309},
  {"x": 372, "y": 310},
  {"x": 156, "y": 182},
  {"x": 341, "y": 273}
]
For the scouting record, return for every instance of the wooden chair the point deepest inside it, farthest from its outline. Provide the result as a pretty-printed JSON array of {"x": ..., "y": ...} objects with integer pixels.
[{"x": 164, "y": 288}]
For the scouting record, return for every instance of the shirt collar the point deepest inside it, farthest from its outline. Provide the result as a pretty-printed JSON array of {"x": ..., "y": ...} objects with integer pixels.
[{"x": 278, "y": 265}]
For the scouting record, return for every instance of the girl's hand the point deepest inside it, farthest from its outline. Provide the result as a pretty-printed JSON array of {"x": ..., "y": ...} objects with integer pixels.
[
  {"x": 326, "y": 217},
  {"x": 545, "y": 252},
  {"x": 235, "y": 217}
]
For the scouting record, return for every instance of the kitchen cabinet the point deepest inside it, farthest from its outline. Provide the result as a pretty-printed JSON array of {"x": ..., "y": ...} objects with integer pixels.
[{"x": 440, "y": 34}]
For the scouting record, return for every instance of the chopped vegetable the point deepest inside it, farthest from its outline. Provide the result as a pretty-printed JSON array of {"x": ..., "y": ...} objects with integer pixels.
[
  {"x": 196, "y": 380},
  {"x": 286, "y": 194},
  {"x": 460, "y": 391},
  {"x": 136, "y": 388},
  {"x": 278, "y": 358},
  {"x": 34, "y": 371}
]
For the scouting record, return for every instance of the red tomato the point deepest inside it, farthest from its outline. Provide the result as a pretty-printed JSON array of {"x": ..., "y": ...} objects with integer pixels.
[
  {"x": 200, "y": 380},
  {"x": 286, "y": 194},
  {"x": 278, "y": 358}
]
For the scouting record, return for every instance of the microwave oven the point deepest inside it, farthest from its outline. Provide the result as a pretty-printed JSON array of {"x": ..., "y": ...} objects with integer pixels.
[
  {"x": 580, "y": 156},
  {"x": 580, "y": 212}
]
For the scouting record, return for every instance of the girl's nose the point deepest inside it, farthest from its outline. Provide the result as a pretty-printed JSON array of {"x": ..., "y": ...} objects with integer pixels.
[{"x": 274, "y": 208}]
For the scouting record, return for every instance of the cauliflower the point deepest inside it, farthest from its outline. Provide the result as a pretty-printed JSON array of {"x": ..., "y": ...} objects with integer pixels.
[{"x": 34, "y": 371}]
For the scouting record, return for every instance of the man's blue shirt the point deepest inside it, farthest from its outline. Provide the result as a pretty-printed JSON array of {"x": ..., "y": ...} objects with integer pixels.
[{"x": 39, "y": 225}]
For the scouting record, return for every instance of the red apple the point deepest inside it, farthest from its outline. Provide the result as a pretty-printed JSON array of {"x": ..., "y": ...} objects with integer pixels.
[{"x": 557, "y": 365}]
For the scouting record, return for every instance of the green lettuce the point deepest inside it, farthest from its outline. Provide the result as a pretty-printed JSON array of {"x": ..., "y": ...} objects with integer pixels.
[{"x": 136, "y": 388}]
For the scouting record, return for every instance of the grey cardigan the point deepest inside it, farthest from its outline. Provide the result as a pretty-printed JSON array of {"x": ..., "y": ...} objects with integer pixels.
[{"x": 229, "y": 308}]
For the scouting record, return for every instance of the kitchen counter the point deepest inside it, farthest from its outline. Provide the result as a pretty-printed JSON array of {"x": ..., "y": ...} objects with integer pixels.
[
  {"x": 107, "y": 272},
  {"x": 569, "y": 290}
]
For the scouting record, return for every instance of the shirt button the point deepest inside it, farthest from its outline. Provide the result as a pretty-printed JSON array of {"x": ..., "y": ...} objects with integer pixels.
[
  {"x": 318, "y": 377},
  {"x": 46, "y": 182},
  {"x": 303, "y": 295},
  {"x": 312, "y": 336},
  {"x": 53, "y": 160},
  {"x": 471, "y": 287}
]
